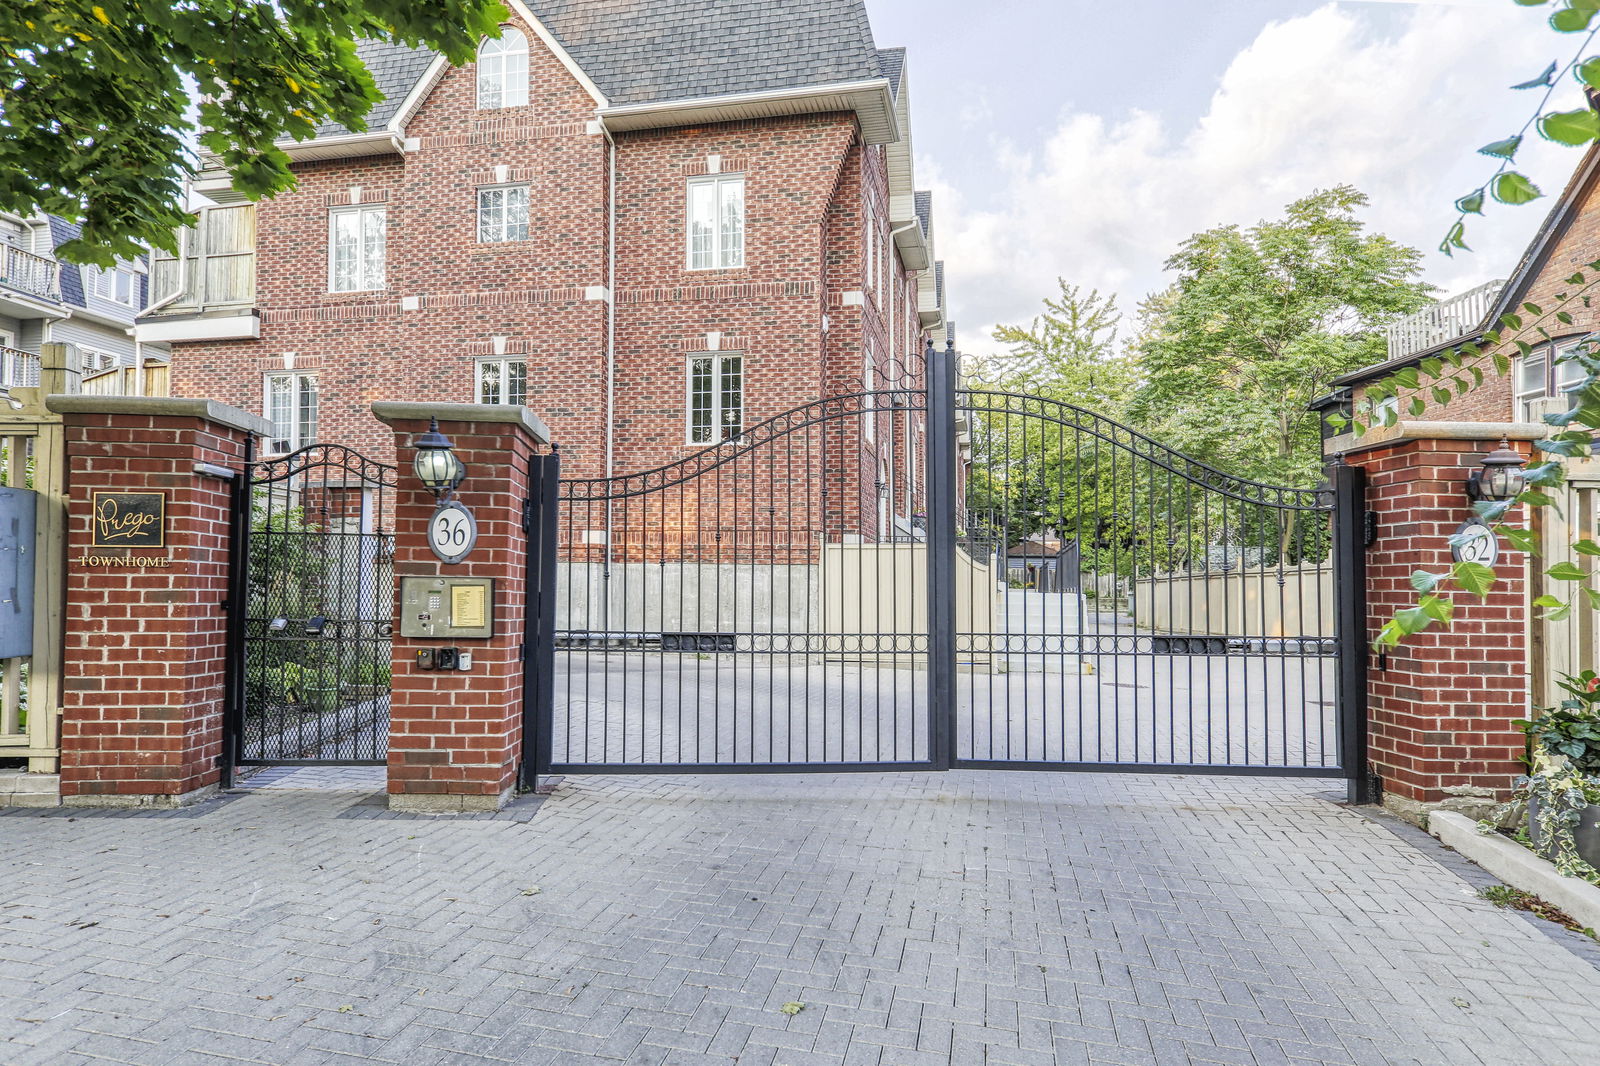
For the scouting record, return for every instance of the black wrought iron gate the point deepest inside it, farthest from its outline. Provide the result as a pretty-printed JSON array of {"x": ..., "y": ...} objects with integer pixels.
[
  {"x": 936, "y": 577},
  {"x": 311, "y": 608}
]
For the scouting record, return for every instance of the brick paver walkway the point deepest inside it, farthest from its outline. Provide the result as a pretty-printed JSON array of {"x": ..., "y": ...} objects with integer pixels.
[{"x": 969, "y": 918}]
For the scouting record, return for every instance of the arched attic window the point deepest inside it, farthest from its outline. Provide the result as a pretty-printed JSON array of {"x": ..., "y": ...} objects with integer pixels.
[{"x": 503, "y": 70}]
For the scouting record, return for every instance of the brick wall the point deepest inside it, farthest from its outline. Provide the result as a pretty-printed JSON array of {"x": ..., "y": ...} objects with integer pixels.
[
  {"x": 145, "y": 645},
  {"x": 455, "y": 738},
  {"x": 806, "y": 178},
  {"x": 1442, "y": 703}
]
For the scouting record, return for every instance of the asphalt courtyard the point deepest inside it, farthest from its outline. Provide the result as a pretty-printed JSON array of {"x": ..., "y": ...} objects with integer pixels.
[{"x": 966, "y": 918}]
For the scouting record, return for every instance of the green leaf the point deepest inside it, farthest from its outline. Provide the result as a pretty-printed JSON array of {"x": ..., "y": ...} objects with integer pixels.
[
  {"x": 791, "y": 1009},
  {"x": 1423, "y": 581},
  {"x": 1586, "y": 547},
  {"x": 1513, "y": 188},
  {"x": 1541, "y": 81},
  {"x": 1525, "y": 540},
  {"x": 1588, "y": 72},
  {"x": 1474, "y": 577},
  {"x": 1570, "y": 127},
  {"x": 1572, "y": 20},
  {"x": 1436, "y": 607},
  {"x": 1472, "y": 203},
  {"x": 1567, "y": 572},
  {"x": 1548, "y": 601},
  {"x": 1506, "y": 149},
  {"x": 1592, "y": 598}
]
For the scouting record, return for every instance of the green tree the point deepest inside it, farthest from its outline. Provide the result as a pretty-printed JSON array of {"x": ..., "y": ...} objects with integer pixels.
[
  {"x": 1258, "y": 324},
  {"x": 97, "y": 115},
  {"x": 1069, "y": 353}
]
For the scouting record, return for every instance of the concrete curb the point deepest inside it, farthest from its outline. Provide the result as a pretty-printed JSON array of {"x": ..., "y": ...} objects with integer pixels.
[{"x": 1517, "y": 866}]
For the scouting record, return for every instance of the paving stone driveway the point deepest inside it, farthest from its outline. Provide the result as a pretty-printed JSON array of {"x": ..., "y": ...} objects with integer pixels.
[{"x": 968, "y": 918}]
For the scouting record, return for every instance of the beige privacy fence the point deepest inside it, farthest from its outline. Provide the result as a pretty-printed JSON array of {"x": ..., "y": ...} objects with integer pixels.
[{"x": 1249, "y": 601}]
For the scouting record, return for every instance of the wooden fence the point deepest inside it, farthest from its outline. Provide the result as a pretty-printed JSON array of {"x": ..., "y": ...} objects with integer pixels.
[{"x": 34, "y": 457}]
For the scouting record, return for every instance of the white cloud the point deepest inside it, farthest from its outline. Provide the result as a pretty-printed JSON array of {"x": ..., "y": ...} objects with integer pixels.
[{"x": 1313, "y": 101}]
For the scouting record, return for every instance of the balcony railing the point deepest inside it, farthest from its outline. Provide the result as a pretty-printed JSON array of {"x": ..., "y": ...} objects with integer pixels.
[
  {"x": 18, "y": 369},
  {"x": 1442, "y": 321},
  {"x": 29, "y": 273}
]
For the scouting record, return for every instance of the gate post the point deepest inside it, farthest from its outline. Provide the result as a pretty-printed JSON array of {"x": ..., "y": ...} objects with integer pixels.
[
  {"x": 146, "y": 648},
  {"x": 539, "y": 647},
  {"x": 1442, "y": 704},
  {"x": 1350, "y": 624},
  {"x": 942, "y": 503},
  {"x": 456, "y": 737}
]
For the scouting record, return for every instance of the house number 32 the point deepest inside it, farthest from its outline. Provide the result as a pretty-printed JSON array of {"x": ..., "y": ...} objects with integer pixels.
[{"x": 452, "y": 532}]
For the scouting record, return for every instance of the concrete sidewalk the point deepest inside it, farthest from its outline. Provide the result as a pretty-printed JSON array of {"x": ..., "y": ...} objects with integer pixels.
[{"x": 968, "y": 918}]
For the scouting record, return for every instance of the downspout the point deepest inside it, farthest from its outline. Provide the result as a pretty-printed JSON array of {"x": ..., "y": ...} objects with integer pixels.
[
  {"x": 897, "y": 280},
  {"x": 611, "y": 365}
]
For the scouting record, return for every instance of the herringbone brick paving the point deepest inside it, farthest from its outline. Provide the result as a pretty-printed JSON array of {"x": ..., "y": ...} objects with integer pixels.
[{"x": 968, "y": 918}]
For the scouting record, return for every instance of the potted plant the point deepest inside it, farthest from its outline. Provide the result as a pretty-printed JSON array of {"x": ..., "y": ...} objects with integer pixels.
[{"x": 1563, "y": 789}]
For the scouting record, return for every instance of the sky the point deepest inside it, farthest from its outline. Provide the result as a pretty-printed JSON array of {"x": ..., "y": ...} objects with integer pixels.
[{"x": 1086, "y": 140}]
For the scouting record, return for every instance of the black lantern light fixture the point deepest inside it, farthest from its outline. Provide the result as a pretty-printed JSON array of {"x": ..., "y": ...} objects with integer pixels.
[
  {"x": 436, "y": 464},
  {"x": 1502, "y": 477}
]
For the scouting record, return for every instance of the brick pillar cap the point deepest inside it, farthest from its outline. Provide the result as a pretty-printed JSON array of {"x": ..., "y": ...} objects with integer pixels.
[
  {"x": 160, "y": 407},
  {"x": 390, "y": 412},
  {"x": 1404, "y": 432}
]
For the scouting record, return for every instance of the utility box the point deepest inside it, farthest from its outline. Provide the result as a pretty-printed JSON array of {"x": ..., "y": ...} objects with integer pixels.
[
  {"x": 447, "y": 608},
  {"x": 19, "y": 510}
]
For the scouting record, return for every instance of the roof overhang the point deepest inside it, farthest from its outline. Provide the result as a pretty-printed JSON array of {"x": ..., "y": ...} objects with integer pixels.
[
  {"x": 870, "y": 100},
  {"x": 345, "y": 146},
  {"x": 913, "y": 246},
  {"x": 1378, "y": 370}
]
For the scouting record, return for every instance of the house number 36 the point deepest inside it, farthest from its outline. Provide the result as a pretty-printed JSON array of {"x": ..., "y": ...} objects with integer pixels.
[{"x": 452, "y": 532}]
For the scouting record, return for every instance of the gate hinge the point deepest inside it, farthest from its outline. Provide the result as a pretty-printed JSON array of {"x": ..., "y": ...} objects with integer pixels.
[
  {"x": 527, "y": 516},
  {"x": 1369, "y": 528}
]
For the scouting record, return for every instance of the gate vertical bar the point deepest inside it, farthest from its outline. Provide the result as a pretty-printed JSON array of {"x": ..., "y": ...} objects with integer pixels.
[
  {"x": 539, "y": 649},
  {"x": 1350, "y": 623},
  {"x": 941, "y": 496},
  {"x": 238, "y": 607}
]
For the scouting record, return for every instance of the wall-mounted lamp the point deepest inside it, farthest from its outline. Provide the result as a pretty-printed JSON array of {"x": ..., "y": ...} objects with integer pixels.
[
  {"x": 1502, "y": 477},
  {"x": 436, "y": 464}
]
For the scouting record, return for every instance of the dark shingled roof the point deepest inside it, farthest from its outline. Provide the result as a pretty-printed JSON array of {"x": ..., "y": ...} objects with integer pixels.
[
  {"x": 892, "y": 65},
  {"x": 396, "y": 68},
  {"x": 924, "y": 200},
  {"x": 643, "y": 51},
  {"x": 647, "y": 51},
  {"x": 62, "y": 231}
]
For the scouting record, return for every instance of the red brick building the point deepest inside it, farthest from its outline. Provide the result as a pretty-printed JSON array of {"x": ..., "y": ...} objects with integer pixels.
[{"x": 656, "y": 224}]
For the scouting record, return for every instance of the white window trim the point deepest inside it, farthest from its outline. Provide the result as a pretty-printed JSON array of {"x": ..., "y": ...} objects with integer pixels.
[
  {"x": 111, "y": 359},
  {"x": 97, "y": 274},
  {"x": 717, "y": 359},
  {"x": 869, "y": 413},
  {"x": 505, "y": 362},
  {"x": 716, "y": 181},
  {"x": 478, "y": 213},
  {"x": 1532, "y": 405},
  {"x": 295, "y": 443},
  {"x": 523, "y": 50},
  {"x": 358, "y": 209}
]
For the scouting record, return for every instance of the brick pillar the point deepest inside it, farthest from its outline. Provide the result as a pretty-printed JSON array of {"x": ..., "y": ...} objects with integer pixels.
[
  {"x": 144, "y": 657},
  {"x": 1442, "y": 703},
  {"x": 455, "y": 738}
]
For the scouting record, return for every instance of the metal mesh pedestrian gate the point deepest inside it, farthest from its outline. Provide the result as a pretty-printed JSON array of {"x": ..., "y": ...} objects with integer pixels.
[
  {"x": 311, "y": 606},
  {"x": 936, "y": 577}
]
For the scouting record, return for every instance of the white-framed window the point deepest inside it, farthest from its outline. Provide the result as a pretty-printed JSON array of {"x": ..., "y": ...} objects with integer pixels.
[
  {"x": 503, "y": 70},
  {"x": 1543, "y": 375},
  {"x": 119, "y": 284},
  {"x": 869, "y": 419},
  {"x": 502, "y": 214},
  {"x": 357, "y": 239},
  {"x": 870, "y": 238},
  {"x": 715, "y": 397},
  {"x": 291, "y": 407},
  {"x": 716, "y": 222},
  {"x": 96, "y": 360},
  {"x": 503, "y": 381}
]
